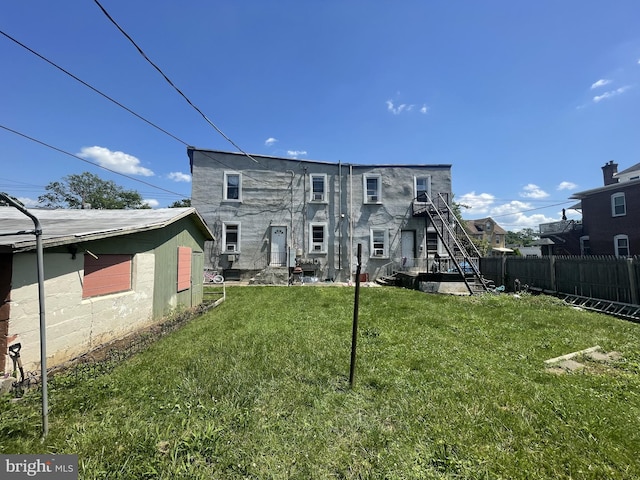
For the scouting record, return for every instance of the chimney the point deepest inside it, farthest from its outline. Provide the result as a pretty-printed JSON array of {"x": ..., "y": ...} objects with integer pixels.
[{"x": 608, "y": 172}]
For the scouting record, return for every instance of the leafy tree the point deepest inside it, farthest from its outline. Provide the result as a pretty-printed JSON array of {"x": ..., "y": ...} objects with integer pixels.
[
  {"x": 185, "y": 202},
  {"x": 90, "y": 191},
  {"x": 524, "y": 237}
]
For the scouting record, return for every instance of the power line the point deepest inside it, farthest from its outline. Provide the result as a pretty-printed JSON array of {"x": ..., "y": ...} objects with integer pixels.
[
  {"x": 170, "y": 82},
  {"x": 92, "y": 88},
  {"x": 90, "y": 162}
]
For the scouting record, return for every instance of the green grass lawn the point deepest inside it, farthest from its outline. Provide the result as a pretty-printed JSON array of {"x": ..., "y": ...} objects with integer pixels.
[{"x": 446, "y": 387}]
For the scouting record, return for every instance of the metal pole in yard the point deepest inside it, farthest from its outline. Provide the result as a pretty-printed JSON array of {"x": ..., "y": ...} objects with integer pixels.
[
  {"x": 354, "y": 334},
  {"x": 43, "y": 334}
]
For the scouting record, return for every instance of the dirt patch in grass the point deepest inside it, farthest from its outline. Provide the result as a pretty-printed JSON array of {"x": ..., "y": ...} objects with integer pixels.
[{"x": 596, "y": 362}]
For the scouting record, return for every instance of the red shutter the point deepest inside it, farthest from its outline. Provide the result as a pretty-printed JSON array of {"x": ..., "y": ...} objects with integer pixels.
[
  {"x": 184, "y": 268},
  {"x": 106, "y": 274}
]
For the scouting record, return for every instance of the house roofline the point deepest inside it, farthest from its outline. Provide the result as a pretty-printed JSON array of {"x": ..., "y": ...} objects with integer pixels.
[
  {"x": 191, "y": 149},
  {"x": 613, "y": 186}
]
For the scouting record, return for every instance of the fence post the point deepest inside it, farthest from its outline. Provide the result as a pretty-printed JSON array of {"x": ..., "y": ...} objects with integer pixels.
[
  {"x": 632, "y": 282},
  {"x": 552, "y": 272}
]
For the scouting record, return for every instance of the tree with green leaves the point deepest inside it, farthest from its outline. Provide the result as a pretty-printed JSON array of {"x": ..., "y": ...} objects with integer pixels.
[
  {"x": 87, "y": 190},
  {"x": 185, "y": 202}
]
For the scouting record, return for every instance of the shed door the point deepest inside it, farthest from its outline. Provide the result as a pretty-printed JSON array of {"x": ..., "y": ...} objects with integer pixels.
[
  {"x": 408, "y": 247},
  {"x": 278, "y": 246}
]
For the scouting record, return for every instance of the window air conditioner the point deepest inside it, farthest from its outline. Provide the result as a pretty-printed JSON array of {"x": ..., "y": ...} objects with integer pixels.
[
  {"x": 372, "y": 198},
  {"x": 318, "y": 197},
  {"x": 231, "y": 247},
  {"x": 378, "y": 252},
  {"x": 317, "y": 247}
]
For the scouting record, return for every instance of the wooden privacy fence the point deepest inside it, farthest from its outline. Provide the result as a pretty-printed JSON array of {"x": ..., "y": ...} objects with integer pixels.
[{"x": 608, "y": 278}]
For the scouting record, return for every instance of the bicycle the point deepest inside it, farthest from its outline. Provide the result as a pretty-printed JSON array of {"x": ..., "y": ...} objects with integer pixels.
[{"x": 212, "y": 276}]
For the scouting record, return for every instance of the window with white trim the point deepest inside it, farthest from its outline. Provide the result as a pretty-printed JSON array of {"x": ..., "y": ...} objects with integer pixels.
[
  {"x": 621, "y": 245},
  {"x": 231, "y": 236},
  {"x": 433, "y": 242},
  {"x": 318, "y": 187},
  {"x": 379, "y": 247},
  {"x": 372, "y": 188},
  {"x": 585, "y": 246},
  {"x": 618, "y": 205},
  {"x": 318, "y": 238},
  {"x": 422, "y": 188},
  {"x": 233, "y": 186}
]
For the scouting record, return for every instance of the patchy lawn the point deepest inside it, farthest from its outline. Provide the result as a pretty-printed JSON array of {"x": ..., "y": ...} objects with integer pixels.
[{"x": 446, "y": 387}]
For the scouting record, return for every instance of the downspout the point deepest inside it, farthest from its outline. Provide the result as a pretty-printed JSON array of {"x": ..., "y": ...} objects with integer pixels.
[
  {"x": 290, "y": 241},
  {"x": 43, "y": 334}
]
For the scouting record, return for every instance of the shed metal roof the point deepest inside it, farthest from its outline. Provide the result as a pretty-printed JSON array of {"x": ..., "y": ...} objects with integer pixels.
[{"x": 62, "y": 227}]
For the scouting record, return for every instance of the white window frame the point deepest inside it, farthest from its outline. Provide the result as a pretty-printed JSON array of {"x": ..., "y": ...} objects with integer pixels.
[
  {"x": 313, "y": 196},
  {"x": 415, "y": 186},
  {"x": 585, "y": 239},
  {"x": 230, "y": 248},
  {"x": 616, "y": 245},
  {"x": 372, "y": 199},
  {"x": 225, "y": 186},
  {"x": 318, "y": 247},
  {"x": 439, "y": 247},
  {"x": 614, "y": 197},
  {"x": 376, "y": 251}
]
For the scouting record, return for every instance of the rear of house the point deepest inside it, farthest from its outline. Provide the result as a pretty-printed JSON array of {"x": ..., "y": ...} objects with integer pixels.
[{"x": 107, "y": 274}]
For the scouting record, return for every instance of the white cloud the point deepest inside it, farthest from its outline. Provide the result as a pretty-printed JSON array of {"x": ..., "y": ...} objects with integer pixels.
[
  {"x": 152, "y": 202},
  {"x": 270, "y": 141},
  {"x": 611, "y": 93},
  {"x": 424, "y": 109},
  {"x": 296, "y": 153},
  {"x": 567, "y": 186},
  {"x": 28, "y": 202},
  {"x": 600, "y": 83},
  {"x": 399, "y": 109},
  {"x": 179, "y": 177},
  {"x": 117, "y": 161},
  {"x": 477, "y": 202},
  {"x": 533, "y": 191}
]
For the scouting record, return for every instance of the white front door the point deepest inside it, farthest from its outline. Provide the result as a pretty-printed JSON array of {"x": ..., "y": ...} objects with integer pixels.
[
  {"x": 278, "y": 256},
  {"x": 408, "y": 247}
]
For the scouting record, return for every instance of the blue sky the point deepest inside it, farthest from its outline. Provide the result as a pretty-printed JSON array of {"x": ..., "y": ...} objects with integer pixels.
[{"x": 526, "y": 100}]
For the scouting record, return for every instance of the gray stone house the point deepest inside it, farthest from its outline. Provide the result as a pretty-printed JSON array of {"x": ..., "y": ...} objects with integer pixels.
[{"x": 271, "y": 214}]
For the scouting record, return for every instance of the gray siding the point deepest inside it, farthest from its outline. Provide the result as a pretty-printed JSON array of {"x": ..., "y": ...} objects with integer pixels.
[{"x": 277, "y": 192}]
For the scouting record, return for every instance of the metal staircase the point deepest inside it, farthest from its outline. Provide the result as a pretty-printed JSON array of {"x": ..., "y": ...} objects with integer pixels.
[{"x": 461, "y": 250}]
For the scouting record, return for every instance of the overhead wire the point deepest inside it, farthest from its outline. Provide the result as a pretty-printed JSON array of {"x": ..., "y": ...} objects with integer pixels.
[
  {"x": 144, "y": 55},
  {"x": 90, "y": 162},
  {"x": 108, "y": 97},
  {"x": 92, "y": 87}
]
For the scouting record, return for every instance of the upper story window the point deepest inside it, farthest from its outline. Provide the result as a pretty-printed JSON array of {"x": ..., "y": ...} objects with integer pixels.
[
  {"x": 379, "y": 242},
  {"x": 618, "y": 205},
  {"x": 372, "y": 189},
  {"x": 318, "y": 187},
  {"x": 422, "y": 188},
  {"x": 231, "y": 236},
  {"x": 318, "y": 238},
  {"x": 621, "y": 245},
  {"x": 232, "y": 186}
]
